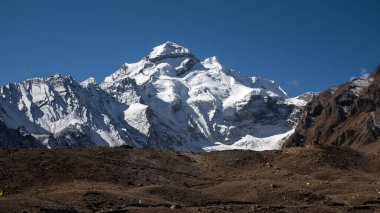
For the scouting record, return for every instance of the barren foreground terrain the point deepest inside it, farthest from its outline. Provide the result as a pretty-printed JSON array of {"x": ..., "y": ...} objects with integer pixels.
[{"x": 318, "y": 179}]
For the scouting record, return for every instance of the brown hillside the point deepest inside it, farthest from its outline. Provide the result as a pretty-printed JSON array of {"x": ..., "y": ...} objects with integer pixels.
[{"x": 318, "y": 179}]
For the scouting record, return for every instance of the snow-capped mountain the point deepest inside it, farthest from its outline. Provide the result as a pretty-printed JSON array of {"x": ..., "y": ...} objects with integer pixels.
[{"x": 169, "y": 99}]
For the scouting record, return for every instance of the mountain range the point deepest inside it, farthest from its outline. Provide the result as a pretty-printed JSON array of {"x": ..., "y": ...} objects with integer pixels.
[{"x": 168, "y": 100}]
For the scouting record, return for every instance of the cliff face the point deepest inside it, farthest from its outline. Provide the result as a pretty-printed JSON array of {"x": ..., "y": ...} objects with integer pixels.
[{"x": 346, "y": 115}]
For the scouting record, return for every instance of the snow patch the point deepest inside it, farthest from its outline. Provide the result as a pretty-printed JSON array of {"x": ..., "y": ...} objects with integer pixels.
[
  {"x": 359, "y": 85},
  {"x": 136, "y": 116},
  {"x": 88, "y": 82},
  {"x": 250, "y": 142},
  {"x": 296, "y": 101}
]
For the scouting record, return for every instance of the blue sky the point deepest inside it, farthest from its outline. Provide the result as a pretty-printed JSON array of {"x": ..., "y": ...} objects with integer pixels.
[{"x": 304, "y": 45}]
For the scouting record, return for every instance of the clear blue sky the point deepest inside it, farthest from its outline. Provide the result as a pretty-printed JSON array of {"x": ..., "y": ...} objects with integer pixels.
[{"x": 304, "y": 45}]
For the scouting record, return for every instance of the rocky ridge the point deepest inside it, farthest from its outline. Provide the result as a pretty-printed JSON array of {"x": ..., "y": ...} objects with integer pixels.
[{"x": 346, "y": 115}]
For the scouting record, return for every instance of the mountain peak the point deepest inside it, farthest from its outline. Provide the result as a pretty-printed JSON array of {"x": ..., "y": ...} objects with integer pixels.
[
  {"x": 168, "y": 50},
  {"x": 212, "y": 62},
  {"x": 88, "y": 82}
]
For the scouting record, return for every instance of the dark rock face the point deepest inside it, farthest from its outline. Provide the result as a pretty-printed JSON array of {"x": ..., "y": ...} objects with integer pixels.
[
  {"x": 17, "y": 138},
  {"x": 189, "y": 60},
  {"x": 347, "y": 115},
  {"x": 71, "y": 137}
]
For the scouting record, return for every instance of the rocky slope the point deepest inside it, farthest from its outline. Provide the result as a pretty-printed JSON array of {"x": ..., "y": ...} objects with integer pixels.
[
  {"x": 169, "y": 99},
  {"x": 346, "y": 115}
]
